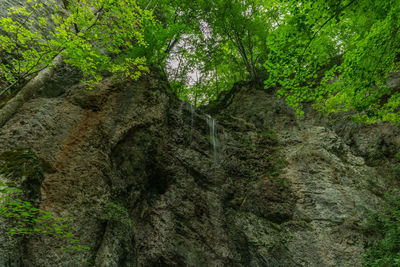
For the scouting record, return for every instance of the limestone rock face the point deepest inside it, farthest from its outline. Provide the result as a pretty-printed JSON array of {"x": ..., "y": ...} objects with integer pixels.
[{"x": 270, "y": 190}]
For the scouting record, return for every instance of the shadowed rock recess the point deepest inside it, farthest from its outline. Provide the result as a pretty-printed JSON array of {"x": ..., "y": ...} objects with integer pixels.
[{"x": 266, "y": 190}]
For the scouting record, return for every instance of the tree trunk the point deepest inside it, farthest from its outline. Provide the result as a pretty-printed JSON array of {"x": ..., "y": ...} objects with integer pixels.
[
  {"x": 28, "y": 90},
  {"x": 216, "y": 79}
]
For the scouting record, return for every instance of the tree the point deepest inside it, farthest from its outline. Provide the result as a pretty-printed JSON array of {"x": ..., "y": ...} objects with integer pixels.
[
  {"x": 338, "y": 54},
  {"x": 245, "y": 25},
  {"x": 224, "y": 41},
  {"x": 92, "y": 35}
]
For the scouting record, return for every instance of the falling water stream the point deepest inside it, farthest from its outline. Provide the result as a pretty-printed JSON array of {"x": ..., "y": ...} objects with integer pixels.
[
  {"x": 211, "y": 123},
  {"x": 213, "y": 136}
]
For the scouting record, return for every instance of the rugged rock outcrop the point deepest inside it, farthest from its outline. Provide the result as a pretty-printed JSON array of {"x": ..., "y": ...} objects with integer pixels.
[{"x": 261, "y": 189}]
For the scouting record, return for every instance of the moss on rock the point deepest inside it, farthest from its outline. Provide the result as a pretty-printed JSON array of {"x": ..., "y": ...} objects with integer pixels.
[{"x": 23, "y": 169}]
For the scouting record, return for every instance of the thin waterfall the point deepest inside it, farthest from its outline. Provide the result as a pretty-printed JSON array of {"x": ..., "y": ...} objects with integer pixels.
[
  {"x": 213, "y": 136},
  {"x": 211, "y": 123},
  {"x": 192, "y": 110}
]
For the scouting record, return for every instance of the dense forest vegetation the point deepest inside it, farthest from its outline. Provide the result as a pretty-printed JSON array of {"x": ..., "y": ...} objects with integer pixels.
[{"x": 336, "y": 55}]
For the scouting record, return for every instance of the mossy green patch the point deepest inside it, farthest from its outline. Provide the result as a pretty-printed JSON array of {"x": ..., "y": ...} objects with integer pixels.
[
  {"x": 19, "y": 163},
  {"x": 268, "y": 135},
  {"x": 375, "y": 158},
  {"x": 276, "y": 164},
  {"x": 385, "y": 222},
  {"x": 24, "y": 169},
  {"x": 274, "y": 161},
  {"x": 115, "y": 212}
]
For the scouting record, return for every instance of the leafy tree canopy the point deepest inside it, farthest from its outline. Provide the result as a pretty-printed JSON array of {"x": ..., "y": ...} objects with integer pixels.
[
  {"x": 92, "y": 35},
  {"x": 336, "y": 54}
]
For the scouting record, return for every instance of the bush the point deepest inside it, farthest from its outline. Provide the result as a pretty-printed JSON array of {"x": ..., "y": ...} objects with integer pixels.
[
  {"x": 386, "y": 251},
  {"x": 25, "y": 219}
]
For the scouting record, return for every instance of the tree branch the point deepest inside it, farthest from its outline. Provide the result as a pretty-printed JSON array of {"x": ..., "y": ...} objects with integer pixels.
[{"x": 323, "y": 25}]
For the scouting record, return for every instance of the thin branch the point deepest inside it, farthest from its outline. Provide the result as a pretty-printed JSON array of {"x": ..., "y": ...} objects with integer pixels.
[
  {"x": 10, "y": 86},
  {"x": 172, "y": 44},
  {"x": 29, "y": 73},
  {"x": 148, "y": 4},
  {"x": 98, "y": 14},
  {"x": 323, "y": 25}
]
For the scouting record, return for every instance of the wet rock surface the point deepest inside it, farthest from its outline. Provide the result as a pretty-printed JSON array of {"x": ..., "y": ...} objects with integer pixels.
[{"x": 272, "y": 191}]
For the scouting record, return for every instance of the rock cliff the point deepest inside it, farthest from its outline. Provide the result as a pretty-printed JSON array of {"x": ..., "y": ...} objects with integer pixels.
[{"x": 250, "y": 186}]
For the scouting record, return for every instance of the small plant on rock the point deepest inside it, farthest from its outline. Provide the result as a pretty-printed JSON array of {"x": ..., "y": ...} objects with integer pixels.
[
  {"x": 27, "y": 220},
  {"x": 116, "y": 212},
  {"x": 385, "y": 252}
]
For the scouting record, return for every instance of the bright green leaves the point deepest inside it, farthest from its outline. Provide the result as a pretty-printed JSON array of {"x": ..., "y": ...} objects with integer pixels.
[
  {"x": 244, "y": 25},
  {"x": 25, "y": 219},
  {"x": 107, "y": 32},
  {"x": 221, "y": 42},
  {"x": 23, "y": 168},
  {"x": 115, "y": 212},
  {"x": 293, "y": 64},
  {"x": 93, "y": 35},
  {"x": 385, "y": 252},
  {"x": 339, "y": 56},
  {"x": 19, "y": 44},
  {"x": 131, "y": 67},
  {"x": 335, "y": 54}
]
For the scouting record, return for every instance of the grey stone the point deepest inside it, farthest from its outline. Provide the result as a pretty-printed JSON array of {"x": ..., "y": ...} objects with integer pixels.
[{"x": 283, "y": 192}]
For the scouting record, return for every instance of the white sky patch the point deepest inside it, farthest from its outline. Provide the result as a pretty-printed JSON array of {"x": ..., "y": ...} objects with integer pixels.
[{"x": 176, "y": 62}]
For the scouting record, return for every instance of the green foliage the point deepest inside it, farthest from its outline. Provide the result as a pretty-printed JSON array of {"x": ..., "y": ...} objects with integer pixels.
[
  {"x": 338, "y": 54},
  {"x": 115, "y": 212},
  {"x": 23, "y": 168},
  {"x": 20, "y": 41},
  {"x": 92, "y": 35},
  {"x": 268, "y": 136},
  {"x": 26, "y": 220},
  {"x": 335, "y": 54},
  {"x": 211, "y": 44},
  {"x": 386, "y": 252}
]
